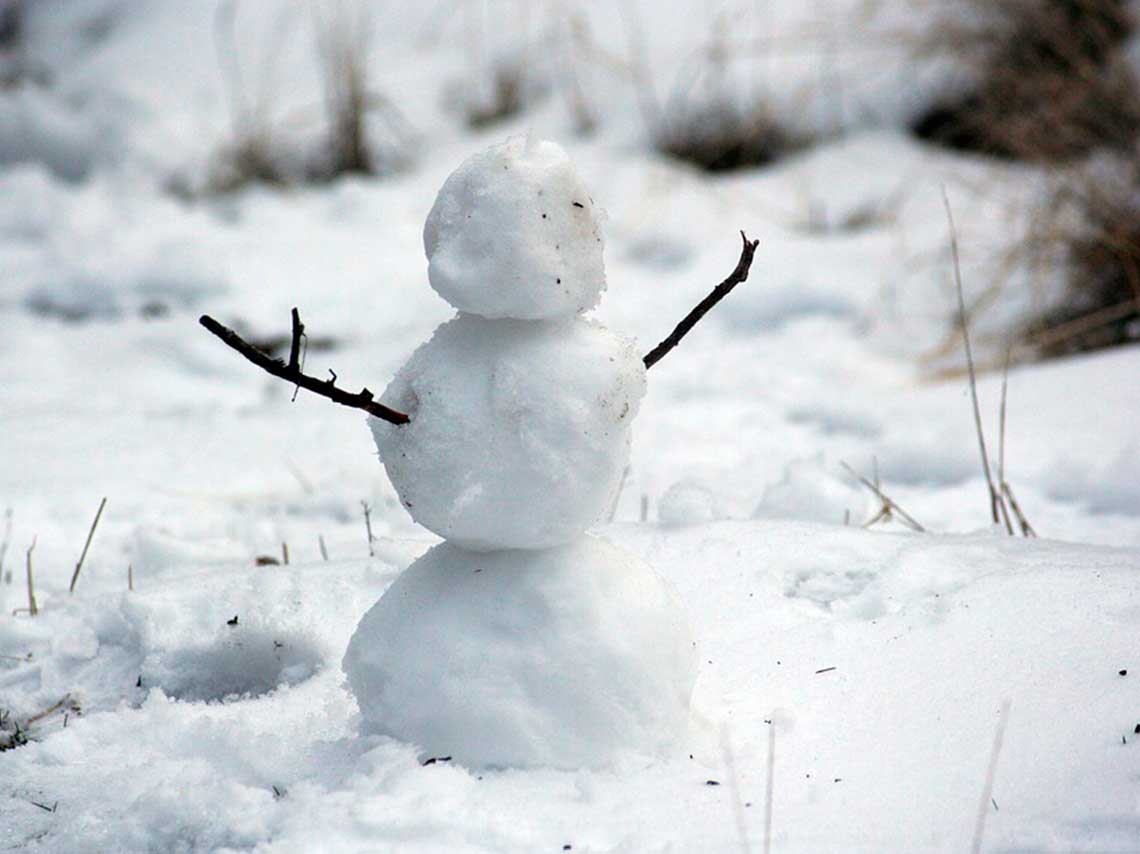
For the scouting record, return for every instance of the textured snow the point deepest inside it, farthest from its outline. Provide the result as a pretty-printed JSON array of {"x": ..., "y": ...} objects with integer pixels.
[
  {"x": 519, "y": 433},
  {"x": 560, "y": 658},
  {"x": 515, "y": 233}
]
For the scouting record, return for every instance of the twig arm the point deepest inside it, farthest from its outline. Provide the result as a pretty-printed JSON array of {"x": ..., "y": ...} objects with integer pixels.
[
  {"x": 292, "y": 372},
  {"x": 702, "y": 308}
]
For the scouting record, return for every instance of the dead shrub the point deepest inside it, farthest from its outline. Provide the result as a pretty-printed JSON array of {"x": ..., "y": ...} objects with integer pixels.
[
  {"x": 363, "y": 132},
  {"x": 719, "y": 135},
  {"x": 1100, "y": 304},
  {"x": 1049, "y": 84}
]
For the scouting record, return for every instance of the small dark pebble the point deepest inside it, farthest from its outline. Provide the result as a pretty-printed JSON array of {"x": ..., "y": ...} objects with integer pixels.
[
  {"x": 138, "y": 684},
  {"x": 578, "y": 204},
  {"x": 748, "y": 803},
  {"x": 232, "y": 621},
  {"x": 567, "y": 847},
  {"x": 267, "y": 560},
  {"x": 1137, "y": 730},
  {"x": 711, "y": 783},
  {"x": 1123, "y": 672}
]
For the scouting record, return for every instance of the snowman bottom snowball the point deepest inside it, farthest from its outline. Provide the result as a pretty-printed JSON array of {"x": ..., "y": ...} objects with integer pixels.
[{"x": 559, "y": 658}]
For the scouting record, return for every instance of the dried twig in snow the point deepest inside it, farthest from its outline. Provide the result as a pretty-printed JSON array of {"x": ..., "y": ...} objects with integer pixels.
[
  {"x": 702, "y": 308},
  {"x": 292, "y": 372}
]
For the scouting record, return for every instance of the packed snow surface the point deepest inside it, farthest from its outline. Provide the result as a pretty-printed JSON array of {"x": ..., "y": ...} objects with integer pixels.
[
  {"x": 519, "y": 433},
  {"x": 558, "y": 657},
  {"x": 515, "y": 233}
]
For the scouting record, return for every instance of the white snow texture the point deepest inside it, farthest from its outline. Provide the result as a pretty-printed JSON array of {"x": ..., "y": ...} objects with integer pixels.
[
  {"x": 519, "y": 431},
  {"x": 561, "y": 657},
  {"x": 514, "y": 233}
]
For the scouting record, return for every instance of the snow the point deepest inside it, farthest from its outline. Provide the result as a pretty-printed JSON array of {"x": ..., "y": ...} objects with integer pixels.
[
  {"x": 839, "y": 348},
  {"x": 557, "y": 657},
  {"x": 519, "y": 430},
  {"x": 515, "y": 233}
]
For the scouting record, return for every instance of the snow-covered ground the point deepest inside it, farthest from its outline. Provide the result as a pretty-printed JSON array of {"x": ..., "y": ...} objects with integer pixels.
[{"x": 185, "y": 729}]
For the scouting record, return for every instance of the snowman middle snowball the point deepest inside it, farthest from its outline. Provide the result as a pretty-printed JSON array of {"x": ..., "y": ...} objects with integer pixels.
[{"x": 520, "y": 408}]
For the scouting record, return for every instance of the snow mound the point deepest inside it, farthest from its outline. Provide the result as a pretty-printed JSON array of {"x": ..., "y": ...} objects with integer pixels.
[
  {"x": 560, "y": 658},
  {"x": 514, "y": 233},
  {"x": 814, "y": 492},
  {"x": 688, "y": 502},
  {"x": 519, "y": 431}
]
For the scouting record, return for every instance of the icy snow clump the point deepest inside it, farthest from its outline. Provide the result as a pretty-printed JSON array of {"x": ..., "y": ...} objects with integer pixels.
[
  {"x": 514, "y": 233},
  {"x": 561, "y": 658},
  {"x": 519, "y": 430}
]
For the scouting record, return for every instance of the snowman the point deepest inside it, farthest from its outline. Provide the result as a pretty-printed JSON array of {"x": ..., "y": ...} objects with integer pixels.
[{"x": 521, "y": 640}]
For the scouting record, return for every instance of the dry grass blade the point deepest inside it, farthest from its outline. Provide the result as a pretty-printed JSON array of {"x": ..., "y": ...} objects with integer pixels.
[
  {"x": 995, "y": 496},
  {"x": 5, "y": 541},
  {"x": 770, "y": 790},
  {"x": 1001, "y": 440},
  {"x": 889, "y": 505},
  {"x": 368, "y": 527},
  {"x": 991, "y": 773},
  {"x": 33, "y": 609},
  {"x": 86, "y": 545},
  {"x": 1026, "y": 528}
]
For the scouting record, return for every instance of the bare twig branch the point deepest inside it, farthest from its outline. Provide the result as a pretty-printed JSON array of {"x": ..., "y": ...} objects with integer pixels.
[
  {"x": 889, "y": 504},
  {"x": 87, "y": 545},
  {"x": 722, "y": 290},
  {"x": 295, "y": 343},
  {"x": 292, "y": 373},
  {"x": 995, "y": 496}
]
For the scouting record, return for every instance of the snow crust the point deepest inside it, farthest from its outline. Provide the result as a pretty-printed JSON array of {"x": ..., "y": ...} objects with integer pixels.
[
  {"x": 561, "y": 657},
  {"x": 514, "y": 233},
  {"x": 520, "y": 430}
]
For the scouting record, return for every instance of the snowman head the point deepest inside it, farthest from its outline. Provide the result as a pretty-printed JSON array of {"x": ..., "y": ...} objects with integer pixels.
[{"x": 514, "y": 233}]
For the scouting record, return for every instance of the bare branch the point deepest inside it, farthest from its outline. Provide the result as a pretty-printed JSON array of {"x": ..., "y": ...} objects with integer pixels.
[
  {"x": 691, "y": 319},
  {"x": 292, "y": 372}
]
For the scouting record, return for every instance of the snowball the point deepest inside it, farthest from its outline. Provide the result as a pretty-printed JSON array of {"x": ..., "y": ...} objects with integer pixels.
[
  {"x": 688, "y": 502},
  {"x": 514, "y": 233},
  {"x": 812, "y": 491},
  {"x": 557, "y": 658},
  {"x": 519, "y": 429}
]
